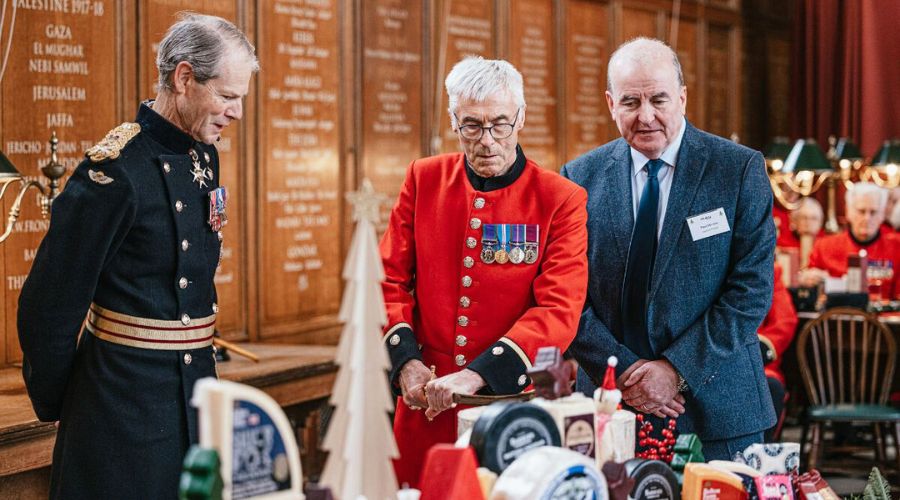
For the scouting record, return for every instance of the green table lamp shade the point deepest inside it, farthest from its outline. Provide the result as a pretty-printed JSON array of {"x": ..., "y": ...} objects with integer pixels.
[
  {"x": 805, "y": 155},
  {"x": 778, "y": 149},
  {"x": 7, "y": 169},
  {"x": 889, "y": 152}
]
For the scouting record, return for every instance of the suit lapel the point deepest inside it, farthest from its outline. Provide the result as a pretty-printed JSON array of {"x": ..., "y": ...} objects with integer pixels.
[
  {"x": 688, "y": 172},
  {"x": 620, "y": 213}
]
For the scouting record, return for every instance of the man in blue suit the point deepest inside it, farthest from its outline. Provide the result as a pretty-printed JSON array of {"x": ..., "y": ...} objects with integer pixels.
[{"x": 680, "y": 247}]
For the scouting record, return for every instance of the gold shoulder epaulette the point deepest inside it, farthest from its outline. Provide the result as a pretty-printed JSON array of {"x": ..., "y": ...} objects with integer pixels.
[{"x": 108, "y": 148}]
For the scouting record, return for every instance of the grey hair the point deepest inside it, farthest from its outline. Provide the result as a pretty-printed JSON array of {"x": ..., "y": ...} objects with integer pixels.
[
  {"x": 643, "y": 50},
  {"x": 203, "y": 41},
  {"x": 809, "y": 202},
  {"x": 862, "y": 189},
  {"x": 477, "y": 78}
]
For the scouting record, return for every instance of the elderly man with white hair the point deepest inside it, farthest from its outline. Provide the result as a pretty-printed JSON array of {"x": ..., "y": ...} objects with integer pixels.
[
  {"x": 866, "y": 204},
  {"x": 484, "y": 260}
]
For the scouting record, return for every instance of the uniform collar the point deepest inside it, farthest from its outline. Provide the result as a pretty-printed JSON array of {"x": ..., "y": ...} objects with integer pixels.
[
  {"x": 162, "y": 130},
  {"x": 486, "y": 184},
  {"x": 669, "y": 155},
  {"x": 866, "y": 243}
]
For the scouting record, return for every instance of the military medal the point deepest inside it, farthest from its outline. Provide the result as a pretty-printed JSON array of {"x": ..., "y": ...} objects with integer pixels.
[
  {"x": 501, "y": 255},
  {"x": 516, "y": 254},
  {"x": 532, "y": 234},
  {"x": 200, "y": 174},
  {"x": 217, "y": 217},
  {"x": 488, "y": 239}
]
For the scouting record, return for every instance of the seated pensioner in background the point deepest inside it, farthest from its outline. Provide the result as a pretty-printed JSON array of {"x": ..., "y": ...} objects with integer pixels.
[{"x": 865, "y": 205}]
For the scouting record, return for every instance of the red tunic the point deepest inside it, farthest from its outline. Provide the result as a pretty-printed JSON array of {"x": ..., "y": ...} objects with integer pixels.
[
  {"x": 450, "y": 309},
  {"x": 786, "y": 237},
  {"x": 779, "y": 325},
  {"x": 830, "y": 254}
]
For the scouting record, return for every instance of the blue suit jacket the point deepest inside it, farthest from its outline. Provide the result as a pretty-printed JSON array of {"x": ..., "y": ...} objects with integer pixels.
[{"x": 707, "y": 297}]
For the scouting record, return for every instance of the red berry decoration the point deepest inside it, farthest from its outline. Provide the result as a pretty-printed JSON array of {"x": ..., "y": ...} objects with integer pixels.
[{"x": 655, "y": 448}]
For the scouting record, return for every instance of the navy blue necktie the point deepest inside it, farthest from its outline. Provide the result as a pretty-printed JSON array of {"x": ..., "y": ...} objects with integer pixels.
[{"x": 641, "y": 254}]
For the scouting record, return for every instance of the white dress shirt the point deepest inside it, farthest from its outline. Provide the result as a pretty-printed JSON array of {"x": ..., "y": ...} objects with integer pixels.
[{"x": 666, "y": 172}]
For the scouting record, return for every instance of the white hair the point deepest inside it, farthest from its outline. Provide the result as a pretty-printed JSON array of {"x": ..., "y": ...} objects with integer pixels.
[
  {"x": 477, "y": 79},
  {"x": 810, "y": 203},
  {"x": 863, "y": 189}
]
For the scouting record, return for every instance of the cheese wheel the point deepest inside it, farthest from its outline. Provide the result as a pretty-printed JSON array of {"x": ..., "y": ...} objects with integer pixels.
[
  {"x": 653, "y": 480},
  {"x": 505, "y": 431},
  {"x": 549, "y": 473}
]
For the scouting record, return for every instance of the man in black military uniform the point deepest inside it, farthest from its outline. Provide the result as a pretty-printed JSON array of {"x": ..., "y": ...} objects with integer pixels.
[{"x": 133, "y": 245}]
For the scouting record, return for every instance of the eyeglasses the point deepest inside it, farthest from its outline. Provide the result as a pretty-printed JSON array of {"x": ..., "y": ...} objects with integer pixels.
[{"x": 473, "y": 132}]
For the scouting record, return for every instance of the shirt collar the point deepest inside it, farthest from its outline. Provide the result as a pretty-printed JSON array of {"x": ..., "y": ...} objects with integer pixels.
[
  {"x": 669, "y": 155},
  {"x": 487, "y": 184}
]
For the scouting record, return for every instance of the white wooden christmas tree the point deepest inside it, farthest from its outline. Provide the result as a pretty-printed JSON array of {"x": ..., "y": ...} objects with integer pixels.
[{"x": 360, "y": 439}]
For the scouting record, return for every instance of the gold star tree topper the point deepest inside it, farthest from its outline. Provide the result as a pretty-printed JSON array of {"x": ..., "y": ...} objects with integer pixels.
[{"x": 366, "y": 203}]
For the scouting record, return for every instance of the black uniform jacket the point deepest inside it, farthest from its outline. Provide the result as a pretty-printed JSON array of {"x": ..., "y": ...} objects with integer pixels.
[{"x": 129, "y": 234}]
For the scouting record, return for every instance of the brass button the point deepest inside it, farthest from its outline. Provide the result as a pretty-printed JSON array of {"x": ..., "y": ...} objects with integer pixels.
[
  {"x": 166, "y": 167},
  {"x": 395, "y": 339},
  {"x": 215, "y": 308},
  {"x": 466, "y": 281},
  {"x": 471, "y": 242},
  {"x": 479, "y": 202},
  {"x": 462, "y": 321},
  {"x": 461, "y": 340},
  {"x": 185, "y": 319},
  {"x": 219, "y": 235},
  {"x": 465, "y": 301},
  {"x": 522, "y": 379},
  {"x": 460, "y": 360},
  {"x": 179, "y": 206},
  {"x": 188, "y": 358},
  {"x": 183, "y": 283},
  {"x": 497, "y": 351},
  {"x": 475, "y": 223},
  {"x": 185, "y": 244},
  {"x": 206, "y": 156},
  {"x": 468, "y": 262}
]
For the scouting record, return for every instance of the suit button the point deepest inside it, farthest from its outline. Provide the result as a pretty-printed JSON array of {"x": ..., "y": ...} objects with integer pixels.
[
  {"x": 462, "y": 321},
  {"x": 475, "y": 223},
  {"x": 471, "y": 242},
  {"x": 188, "y": 358},
  {"x": 460, "y": 360},
  {"x": 183, "y": 283},
  {"x": 461, "y": 340},
  {"x": 179, "y": 206},
  {"x": 166, "y": 167},
  {"x": 395, "y": 339},
  {"x": 185, "y": 244},
  {"x": 466, "y": 281},
  {"x": 215, "y": 308},
  {"x": 468, "y": 262},
  {"x": 465, "y": 301},
  {"x": 479, "y": 203},
  {"x": 522, "y": 379},
  {"x": 497, "y": 351},
  {"x": 185, "y": 319}
]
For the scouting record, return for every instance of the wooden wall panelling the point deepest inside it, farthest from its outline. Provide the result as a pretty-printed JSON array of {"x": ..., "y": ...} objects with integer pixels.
[
  {"x": 587, "y": 47},
  {"x": 155, "y": 18},
  {"x": 300, "y": 199},
  {"x": 60, "y": 52},
  {"x": 683, "y": 36},
  {"x": 462, "y": 28},
  {"x": 392, "y": 93},
  {"x": 721, "y": 90},
  {"x": 532, "y": 49},
  {"x": 635, "y": 19}
]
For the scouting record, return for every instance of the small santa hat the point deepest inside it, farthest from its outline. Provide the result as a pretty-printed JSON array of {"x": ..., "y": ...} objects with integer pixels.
[{"x": 609, "y": 380}]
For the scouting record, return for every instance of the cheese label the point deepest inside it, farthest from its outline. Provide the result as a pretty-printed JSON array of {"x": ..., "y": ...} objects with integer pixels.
[
  {"x": 712, "y": 489},
  {"x": 578, "y": 434}
]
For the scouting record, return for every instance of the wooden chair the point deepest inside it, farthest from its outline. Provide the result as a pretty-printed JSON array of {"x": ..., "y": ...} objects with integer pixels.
[{"x": 847, "y": 360}]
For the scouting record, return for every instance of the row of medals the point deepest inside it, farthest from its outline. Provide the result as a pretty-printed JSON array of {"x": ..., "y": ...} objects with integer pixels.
[{"x": 516, "y": 255}]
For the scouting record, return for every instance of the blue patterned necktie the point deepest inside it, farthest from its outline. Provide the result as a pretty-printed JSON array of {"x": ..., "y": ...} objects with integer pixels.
[{"x": 641, "y": 254}]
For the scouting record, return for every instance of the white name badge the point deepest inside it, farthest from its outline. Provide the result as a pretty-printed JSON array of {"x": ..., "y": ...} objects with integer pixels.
[{"x": 708, "y": 224}]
